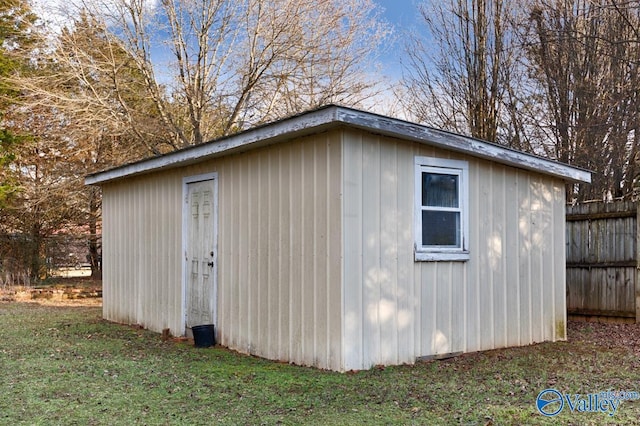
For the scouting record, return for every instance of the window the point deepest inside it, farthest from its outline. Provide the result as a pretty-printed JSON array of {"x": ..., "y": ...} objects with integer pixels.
[{"x": 441, "y": 212}]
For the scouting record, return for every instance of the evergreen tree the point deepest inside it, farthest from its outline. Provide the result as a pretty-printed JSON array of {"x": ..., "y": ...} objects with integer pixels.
[{"x": 16, "y": 22}]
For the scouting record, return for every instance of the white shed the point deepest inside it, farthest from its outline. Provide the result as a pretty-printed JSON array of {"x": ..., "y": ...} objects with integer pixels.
[{"x": 340, "y": 239}]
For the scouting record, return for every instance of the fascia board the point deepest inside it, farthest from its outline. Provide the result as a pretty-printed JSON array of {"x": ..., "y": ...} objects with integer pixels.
[{"x": 333, "y": 116}]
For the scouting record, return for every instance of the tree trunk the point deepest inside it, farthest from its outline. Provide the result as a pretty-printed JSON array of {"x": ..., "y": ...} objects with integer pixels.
[
  {"x": 95, "y": 259},
  {"x": 35, "y": 249}
]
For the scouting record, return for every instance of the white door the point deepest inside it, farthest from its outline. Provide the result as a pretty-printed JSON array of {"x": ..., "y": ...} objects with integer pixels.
[{"x": 201, "y": 253}]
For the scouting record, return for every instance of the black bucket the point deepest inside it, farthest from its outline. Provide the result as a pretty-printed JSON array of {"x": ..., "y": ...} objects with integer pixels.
[{"x": 203, "y": 335}]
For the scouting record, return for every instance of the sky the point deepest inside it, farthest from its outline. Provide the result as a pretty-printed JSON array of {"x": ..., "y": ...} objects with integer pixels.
[{"x": 402, "y": 15}]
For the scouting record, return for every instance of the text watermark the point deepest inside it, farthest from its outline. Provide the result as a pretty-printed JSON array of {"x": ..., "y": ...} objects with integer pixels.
[{"x": 551, "y": 402}]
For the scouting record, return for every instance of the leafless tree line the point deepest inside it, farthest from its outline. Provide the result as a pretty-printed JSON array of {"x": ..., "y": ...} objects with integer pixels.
[
  {"x": 185, "y": 71},
  {"x": 554, "y": 77},
  {"x": 126, "y": 79}
]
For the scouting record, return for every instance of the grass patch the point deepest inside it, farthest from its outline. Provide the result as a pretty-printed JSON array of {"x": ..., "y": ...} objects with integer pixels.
[{"x": 65, "y": 365}]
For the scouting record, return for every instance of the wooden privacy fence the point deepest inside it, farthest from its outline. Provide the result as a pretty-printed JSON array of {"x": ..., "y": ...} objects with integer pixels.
[{"x": 602, "y": 260}]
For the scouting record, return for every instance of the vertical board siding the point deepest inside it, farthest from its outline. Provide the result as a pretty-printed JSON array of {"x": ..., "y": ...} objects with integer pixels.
[
  {"x": 508, "y": 293},
  {"x": 353, "y": 288},
  {"x": 279, "y": 250},
  {"x": 280, "y": 234},
  {"x": 372, "y": 300},
  {"x": 141, "y": 253},
  {"x": 602, "y": 259}
]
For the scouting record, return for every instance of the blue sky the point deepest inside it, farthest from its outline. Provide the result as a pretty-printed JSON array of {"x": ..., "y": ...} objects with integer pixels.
[{"x": 403, "y": 15}]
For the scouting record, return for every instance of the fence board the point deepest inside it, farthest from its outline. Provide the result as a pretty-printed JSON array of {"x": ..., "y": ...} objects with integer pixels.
[{"x": 602, "y": 259}]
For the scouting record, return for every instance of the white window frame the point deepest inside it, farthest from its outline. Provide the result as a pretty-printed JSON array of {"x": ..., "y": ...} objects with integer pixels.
[{"x": 447, "y": 167}]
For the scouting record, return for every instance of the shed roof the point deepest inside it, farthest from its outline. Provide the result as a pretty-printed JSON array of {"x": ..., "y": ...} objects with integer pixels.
[{"x": 333, "y": 116}]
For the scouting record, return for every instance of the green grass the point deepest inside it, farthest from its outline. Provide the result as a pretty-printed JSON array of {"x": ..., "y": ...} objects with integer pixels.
[{"x": 65, "y": 365}]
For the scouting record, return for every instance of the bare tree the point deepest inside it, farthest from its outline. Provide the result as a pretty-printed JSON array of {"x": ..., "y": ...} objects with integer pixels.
[
  {"x": 46, "y": 196},
  {"x": 556, "y": 77},
  {"x": 71, "y": 133},
  {"x": 212, "y": 67},
  {"x": 457, "y": 75},
  {"x": 303, "y": 54},
  {"x": 90, "y": 79},
  {"x": 584, "y": 58}
]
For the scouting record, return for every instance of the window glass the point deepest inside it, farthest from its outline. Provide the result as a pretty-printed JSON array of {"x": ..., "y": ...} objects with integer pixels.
[
  {"x": 440, "y": 228},
  {"x": 439, "y": 190}
]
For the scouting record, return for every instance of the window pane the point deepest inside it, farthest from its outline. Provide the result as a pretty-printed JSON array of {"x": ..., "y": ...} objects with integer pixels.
[
  {"x": 440, "y": 228},
  {"x": 439, "y": 190}
]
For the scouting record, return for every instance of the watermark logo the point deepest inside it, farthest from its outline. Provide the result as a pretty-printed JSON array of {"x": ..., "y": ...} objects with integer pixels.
[{"x": 551, "y": 402}]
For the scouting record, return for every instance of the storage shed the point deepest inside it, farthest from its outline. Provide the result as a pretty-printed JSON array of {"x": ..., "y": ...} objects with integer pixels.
[{"x": 340, "y": 239}]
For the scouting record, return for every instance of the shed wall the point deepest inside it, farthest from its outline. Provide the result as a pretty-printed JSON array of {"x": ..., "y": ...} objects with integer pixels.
[
  {"x": 511, "y": 292},
  {"x": 279, "y": 250},
  {"x": 141, "y": 244},
  {"x": 316, "y": 262}
]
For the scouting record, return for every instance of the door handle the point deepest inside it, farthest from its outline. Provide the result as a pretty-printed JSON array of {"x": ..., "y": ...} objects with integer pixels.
[{"x": 210, "y": 263}]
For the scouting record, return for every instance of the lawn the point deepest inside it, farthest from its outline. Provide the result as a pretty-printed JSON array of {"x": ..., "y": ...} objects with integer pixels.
[{"x": 65, "y": 365}]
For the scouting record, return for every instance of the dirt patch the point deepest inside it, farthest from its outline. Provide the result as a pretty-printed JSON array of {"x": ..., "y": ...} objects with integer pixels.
[{"x": 606, "y": 335}]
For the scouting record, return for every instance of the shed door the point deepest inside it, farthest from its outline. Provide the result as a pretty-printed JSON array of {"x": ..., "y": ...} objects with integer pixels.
[{"x": 201, "y": 254}]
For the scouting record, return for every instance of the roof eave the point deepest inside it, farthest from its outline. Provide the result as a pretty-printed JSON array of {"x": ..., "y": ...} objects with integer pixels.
[
  {"x": 332, "y": 116},
  {"x": 289, "y": 128},
  {"x": 463, "y": 144}
]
